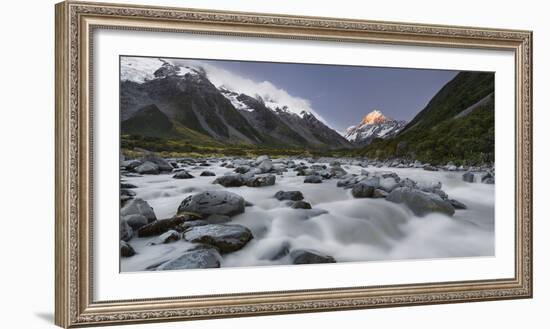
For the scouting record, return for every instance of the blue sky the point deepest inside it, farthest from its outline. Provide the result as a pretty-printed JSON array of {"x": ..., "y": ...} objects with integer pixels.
[{"x": 342, "y": 95}]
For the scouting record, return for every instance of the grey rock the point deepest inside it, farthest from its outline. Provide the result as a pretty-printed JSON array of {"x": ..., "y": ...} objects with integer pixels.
[
  {"x": 226, "y": 238},
  {"x": 261, "y": 159},
  {"x": 242, "y": 169},
  {"x": 136, "y": 221},
  {"x": 457, "y": 204},
  {"x": 260, "y": 181},
  {"x": 127, "y": 185},
  {"x": 289, "y": 195},
  {"x": 217, "y": 219},
  {"x": 140, "y": 207},
  {"x": 468, "y": 177},
  {"x": 192, "y": 259},
  {"x": 348, "y": 181},
  {"x": 313, "y": 180},
  {"x": 409, "y": 183},
  {"x": 300, "y": 205},
  {"x": 280, "y": 252},
  {"x": 183, "y": 174},
  {"x": 162, "y": 164},
  {"x": 207, "y": 173},
  {"x": 488, "y": 178},
  {"x": 421, "y": 203},
  {"x": 265, "y": 166},
  {"x": 361, "y": 190},
  {"x": 230, "y": 180},
  {"x": 430, "y": 168},
  {"x": 126, "y": 249},
  {"x": 213, "y": 202},
  {"x": 130, "y": 164},
  {"x": 187, "y": 225},
  {"x": 164, "y": 225},
  {"x": 148, "y": 168},
  {"x": 166, "y": 237},
  {"x": 306, "y": 256},
  {"x": 125, "y": 231},
  {"x": 379, "y": 194}
]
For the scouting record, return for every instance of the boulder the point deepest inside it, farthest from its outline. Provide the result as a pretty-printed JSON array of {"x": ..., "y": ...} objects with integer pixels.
[
  {"x": 348, "y": 181},
  {"x": 300, "y": 205},
  {"x": 207, "y": 173},
  {"x": 457, "y": 204},
  {"x": 138, "y": 207},
  {"x": 468, "y": 177},
  {"x": 260, "y": 181},
  {"x": 278, "y": 253},
  {"x": 430, "y": 168},
  {"x": 136, "y": 221},
  {"x": 147, "y": 168},
  {"x": 126, "y": 249},
  {"x": 196, "y": 258},
  {"x": 230, "y": 180},
  {"x": 365, "y": 188},
  {"x": 164, "y": 225},
  {"x": 242, "y": 169},
  {"x": 265, "y": 166},
  {"x": 289, "y": 195},
  {"x": 421, "y": 203},
  {"x": 388, "y": 184},
  {"x": 183, "y": 174},
  {"x": 226, "y": 238},
  {"x": 430, "y": 187},
  {"x": 306, "y": 256},
  {"x": 127, "y": 185},
  {"x": 488, "y": 178},
  {"x": 162, "y": 164},
  {"x": 313, "y": 179},
  {"x": 130, "y": 164},
  {"x": 125, "y": 231},
  {"x": 217, "y": 219},
  {"x": 213, "y": 202},
  {"x": 337, "y": 172},
  {"x": 317, "y": 167},
  {"x": 379, "y": 194},
  {"x": 261, "y": 159},
  {"x": 361, "y": 190},
  {"x": 166, "y": 237},
  {"x": 187, "y": 225},
  {"x": 409, "y": 183}
]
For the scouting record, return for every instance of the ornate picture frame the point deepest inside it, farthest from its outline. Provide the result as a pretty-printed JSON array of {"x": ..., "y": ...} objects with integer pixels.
[{"x": 75, "y": 24}]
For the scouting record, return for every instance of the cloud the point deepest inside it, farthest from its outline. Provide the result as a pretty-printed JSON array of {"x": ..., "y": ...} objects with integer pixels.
[{"x": 271, "y": 94}]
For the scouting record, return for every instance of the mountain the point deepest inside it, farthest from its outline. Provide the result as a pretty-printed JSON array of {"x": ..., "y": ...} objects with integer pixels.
[
  {"x": 457, "y": 125},
  {"x": 185, "y": 97},
  {"x": 373, "y": 125}
]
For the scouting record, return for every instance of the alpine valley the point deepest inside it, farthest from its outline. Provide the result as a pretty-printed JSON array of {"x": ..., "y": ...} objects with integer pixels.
[
  {"x": 221, "y": 172},
  {"x": 178, "y": 108}
]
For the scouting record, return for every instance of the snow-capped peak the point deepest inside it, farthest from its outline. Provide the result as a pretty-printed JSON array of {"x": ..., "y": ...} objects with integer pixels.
[
  {"x": 373, "y": 125},
  {"x": 141, "y": 69},
  {"x": 373, "y": 117}
]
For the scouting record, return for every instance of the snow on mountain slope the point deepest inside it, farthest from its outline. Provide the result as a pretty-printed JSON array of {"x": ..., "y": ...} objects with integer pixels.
[
  {"x": 140, "y": 69},
  {"x": 373, "y": 125}
]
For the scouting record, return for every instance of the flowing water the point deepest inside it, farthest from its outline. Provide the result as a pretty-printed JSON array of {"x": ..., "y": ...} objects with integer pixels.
[{"x": 339, "y": 225}]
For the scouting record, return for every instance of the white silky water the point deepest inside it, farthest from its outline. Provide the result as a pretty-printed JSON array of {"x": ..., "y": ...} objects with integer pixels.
[{"x": 339, "y": 225}]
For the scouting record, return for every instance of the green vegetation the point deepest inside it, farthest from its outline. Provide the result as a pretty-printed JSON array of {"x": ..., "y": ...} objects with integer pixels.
[
  {"x": 177, "y": 147},
  {"x": 436, "y": 135}
]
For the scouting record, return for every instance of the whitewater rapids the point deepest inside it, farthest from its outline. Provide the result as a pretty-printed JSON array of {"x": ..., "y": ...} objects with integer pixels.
[{"x": 339, "y": 225}]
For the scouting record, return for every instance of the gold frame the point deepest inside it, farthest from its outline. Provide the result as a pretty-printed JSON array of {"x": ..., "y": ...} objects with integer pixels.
[{"x": 76, "y": 21}]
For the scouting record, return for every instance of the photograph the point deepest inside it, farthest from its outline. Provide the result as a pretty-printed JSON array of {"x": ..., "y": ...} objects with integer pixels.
[{"x": 227, "y": 163}]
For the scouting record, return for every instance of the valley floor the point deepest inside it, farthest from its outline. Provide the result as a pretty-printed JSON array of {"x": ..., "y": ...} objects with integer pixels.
[{"x": 339, "y": 226}]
